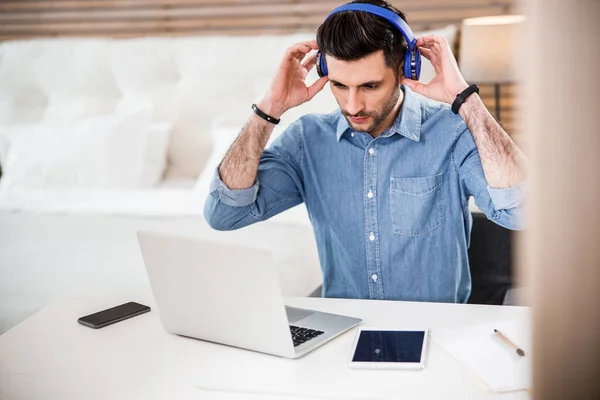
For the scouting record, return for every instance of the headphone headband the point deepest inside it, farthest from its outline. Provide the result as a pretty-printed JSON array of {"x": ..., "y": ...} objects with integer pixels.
[
  {"x": 390, "y": 16},
  {"x": 412, "y": 56}
]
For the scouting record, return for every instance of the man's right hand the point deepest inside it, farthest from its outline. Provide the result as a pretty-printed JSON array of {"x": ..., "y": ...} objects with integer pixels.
[{"x": 288, "y": 88}]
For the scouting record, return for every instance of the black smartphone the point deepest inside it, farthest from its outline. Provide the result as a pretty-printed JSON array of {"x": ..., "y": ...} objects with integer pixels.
[{"x": 113, "y": 315}]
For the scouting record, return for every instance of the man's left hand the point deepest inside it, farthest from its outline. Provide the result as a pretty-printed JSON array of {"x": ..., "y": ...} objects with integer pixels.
[{"x": 448, "y": 81}]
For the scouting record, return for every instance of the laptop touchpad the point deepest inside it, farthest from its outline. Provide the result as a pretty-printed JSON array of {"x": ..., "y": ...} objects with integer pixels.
[{"x": 296, "y": 314}]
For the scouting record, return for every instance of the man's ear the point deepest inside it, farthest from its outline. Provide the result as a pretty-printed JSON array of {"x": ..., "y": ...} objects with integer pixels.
[{"x": 400, "y": 74}]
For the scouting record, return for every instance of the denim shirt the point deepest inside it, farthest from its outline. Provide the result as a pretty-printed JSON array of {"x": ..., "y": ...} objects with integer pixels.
[{"x": 390, "y": 214}]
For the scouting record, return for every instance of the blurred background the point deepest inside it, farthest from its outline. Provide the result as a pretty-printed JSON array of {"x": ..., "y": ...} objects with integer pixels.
[
  {"x": 115, "y": 114},
  {"x": 176, "y": 18}
]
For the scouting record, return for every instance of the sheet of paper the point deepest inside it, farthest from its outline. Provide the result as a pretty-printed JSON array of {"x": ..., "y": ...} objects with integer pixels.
[{"x": 499, "y": 367}]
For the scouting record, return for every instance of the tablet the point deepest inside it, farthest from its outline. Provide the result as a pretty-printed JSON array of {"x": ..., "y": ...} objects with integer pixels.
[{"x": 389, "y": 349}]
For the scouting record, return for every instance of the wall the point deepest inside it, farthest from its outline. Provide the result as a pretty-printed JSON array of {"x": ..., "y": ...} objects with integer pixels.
[
  {"x": 126, "y": 18},
  {"x": 22, "y": 19}
]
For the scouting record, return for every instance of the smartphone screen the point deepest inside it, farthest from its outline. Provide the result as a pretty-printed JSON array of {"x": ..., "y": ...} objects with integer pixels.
[
  {"x": 112, "y": 315},
  {"x": 389, "y": 347}
]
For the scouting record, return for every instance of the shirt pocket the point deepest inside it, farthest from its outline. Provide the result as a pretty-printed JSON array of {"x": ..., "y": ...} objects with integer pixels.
[{"x": 416, "y": 204}]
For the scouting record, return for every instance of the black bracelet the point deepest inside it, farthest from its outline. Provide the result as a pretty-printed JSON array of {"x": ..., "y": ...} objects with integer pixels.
[
  {"x": 461, "y": 97},
  {"x": 264, "y": 116}
]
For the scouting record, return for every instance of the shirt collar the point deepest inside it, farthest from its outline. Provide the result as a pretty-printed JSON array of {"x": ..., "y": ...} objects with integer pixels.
[
  {"x": 342, "y": 125},
  {"x": 407, "y": 123}
]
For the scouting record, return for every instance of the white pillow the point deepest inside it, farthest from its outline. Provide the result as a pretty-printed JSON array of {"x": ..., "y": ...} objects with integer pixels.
[
  {"x": 102, "y": 152},
  {"x": 156, "y": 154},
  {"x": 223, "y": 135}
]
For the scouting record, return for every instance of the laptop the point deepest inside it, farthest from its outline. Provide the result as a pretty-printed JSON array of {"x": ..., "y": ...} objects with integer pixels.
[{"x": 230, "y": 295}]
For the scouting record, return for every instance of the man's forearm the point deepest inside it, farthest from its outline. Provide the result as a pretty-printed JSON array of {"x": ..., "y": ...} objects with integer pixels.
[
  {"x": 504, "y": 164},
  {"x": 240, "y": 165}
]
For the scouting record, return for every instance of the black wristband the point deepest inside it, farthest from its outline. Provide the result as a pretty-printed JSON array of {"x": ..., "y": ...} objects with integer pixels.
[
  {"x": 461, "y": 97},
  {"x": 264, "y": 116}
]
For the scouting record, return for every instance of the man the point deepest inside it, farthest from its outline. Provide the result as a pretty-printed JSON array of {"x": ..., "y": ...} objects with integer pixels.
[{"x": 386, "y": 178}]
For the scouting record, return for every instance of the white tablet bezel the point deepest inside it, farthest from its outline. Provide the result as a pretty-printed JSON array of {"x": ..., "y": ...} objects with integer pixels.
[{"x": 389, "y": 365}]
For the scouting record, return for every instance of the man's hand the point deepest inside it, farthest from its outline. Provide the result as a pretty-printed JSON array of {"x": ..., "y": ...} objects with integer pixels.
[
  {"x": 448, "y": 81},
  {"x": 504, "y": 165},
  {"x": 288, "y": 88}
]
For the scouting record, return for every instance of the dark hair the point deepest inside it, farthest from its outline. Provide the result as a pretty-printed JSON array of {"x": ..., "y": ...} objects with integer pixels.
[{"x": 352, "y": 35}]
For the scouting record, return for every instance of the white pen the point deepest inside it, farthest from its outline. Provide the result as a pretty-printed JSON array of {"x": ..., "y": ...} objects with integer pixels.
[{"x": 506, "y": 340}]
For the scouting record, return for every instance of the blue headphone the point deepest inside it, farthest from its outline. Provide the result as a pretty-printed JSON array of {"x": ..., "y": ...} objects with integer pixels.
[{"x": 412, "y": 57}]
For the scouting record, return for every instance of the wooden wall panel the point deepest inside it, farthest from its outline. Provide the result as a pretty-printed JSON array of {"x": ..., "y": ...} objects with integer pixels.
[{"x": 28, "y": 18}]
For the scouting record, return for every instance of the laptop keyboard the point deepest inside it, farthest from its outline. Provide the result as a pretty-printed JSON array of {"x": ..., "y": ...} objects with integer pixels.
[{"x": 301, "y": 335}]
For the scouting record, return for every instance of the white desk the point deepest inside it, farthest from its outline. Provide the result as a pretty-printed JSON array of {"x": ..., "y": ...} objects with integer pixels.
[{"x": 51, "y": 356}]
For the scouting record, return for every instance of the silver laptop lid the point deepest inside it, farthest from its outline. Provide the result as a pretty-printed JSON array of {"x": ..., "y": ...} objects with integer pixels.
[{"x": 217, "y": 292}]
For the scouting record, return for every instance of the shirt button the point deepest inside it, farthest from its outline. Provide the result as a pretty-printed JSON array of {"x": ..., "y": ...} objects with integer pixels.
[
  {"x": 352, "y": 134},
  {"x": 374, "y": 277},
  {"x": 370, "y": 194},
  {"x": 371, "y": 151},
  {"x": 372, "y": 236}
]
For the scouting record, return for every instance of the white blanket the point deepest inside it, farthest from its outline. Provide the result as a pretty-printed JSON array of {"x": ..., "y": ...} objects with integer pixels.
[
  {"x": 129, "y": 202},
  {"x": 172, "y": 199}
]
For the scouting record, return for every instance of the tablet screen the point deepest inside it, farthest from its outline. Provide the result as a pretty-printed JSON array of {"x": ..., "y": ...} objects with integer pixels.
[{"x": 389, "y": 346}]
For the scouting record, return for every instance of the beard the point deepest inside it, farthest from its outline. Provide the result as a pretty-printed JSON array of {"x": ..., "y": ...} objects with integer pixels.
[{"x": 378, "y": 116}]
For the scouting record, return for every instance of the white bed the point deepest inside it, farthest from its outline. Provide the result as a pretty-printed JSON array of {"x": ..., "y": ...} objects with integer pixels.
[
  {"x": 45, "y": 255},
  {"x": 55, "y": 238}
]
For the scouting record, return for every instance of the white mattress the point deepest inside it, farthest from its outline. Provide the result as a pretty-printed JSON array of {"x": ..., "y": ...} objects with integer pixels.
[
  {"x": 177, "y": 183},
  {"x": 44, "y": 256},
  {"x": 139, "y": 202},
  {"x": 172, "y": 198}
]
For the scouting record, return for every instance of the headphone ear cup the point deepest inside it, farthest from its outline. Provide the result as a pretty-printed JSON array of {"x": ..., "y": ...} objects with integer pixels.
[
  {"x": 411, "y": 57},
  {"x": 408, "y": 73},
  {"x": 321, "y": 65},
  {"x": 417, "y": 64}
]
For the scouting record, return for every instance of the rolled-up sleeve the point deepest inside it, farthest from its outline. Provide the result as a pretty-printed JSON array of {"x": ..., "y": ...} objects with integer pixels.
[
  {"x": 234, "y": 198},
  {"x": 278, "y": 186},
  {"x": 506, "y": 198},
  {"x": 504, "y": 206}
]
